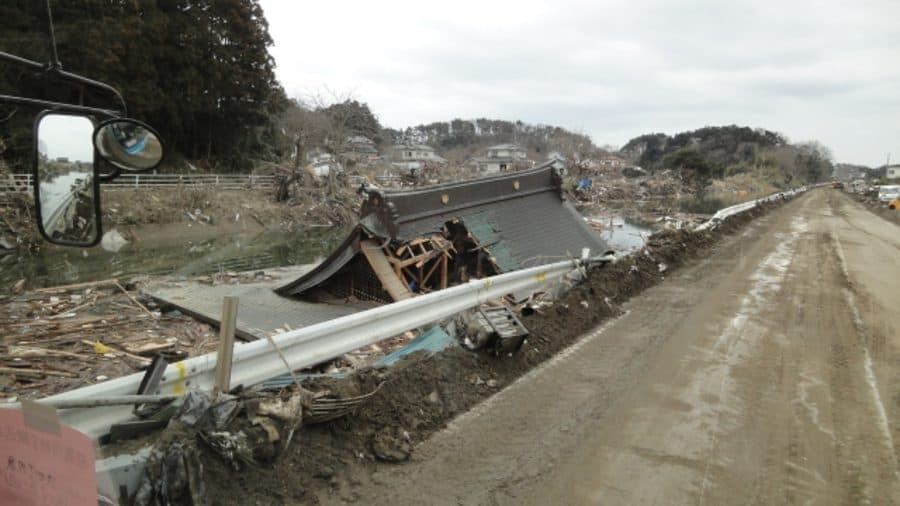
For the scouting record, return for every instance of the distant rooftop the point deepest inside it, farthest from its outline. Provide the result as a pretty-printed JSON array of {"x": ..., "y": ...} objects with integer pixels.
[
  {"x": 507, "y": 146},
  {"x": 412, "y": 147}
]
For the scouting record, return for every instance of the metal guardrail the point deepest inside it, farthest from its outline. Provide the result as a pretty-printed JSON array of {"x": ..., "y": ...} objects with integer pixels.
[
  {"x": 256, "y": 361},
  {"x": 23, "y": 182},
  {"x": 721, "y": 214}
]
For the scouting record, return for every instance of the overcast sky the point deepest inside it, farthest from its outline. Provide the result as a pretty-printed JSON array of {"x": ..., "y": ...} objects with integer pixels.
[{"x": 613, "y": 69}]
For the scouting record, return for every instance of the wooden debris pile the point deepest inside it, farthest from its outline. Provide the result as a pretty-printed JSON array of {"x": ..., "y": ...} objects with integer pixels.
[
  {"x": 421, "y": 259},
  {"x": 57, "y": 339}
]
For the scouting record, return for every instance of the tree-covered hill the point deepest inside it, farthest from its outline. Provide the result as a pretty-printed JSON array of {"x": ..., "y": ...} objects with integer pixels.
[
  {"x": 197, "y": 70},
  {"x": 460, "y": 138},
  {"x": 716, "y": 152}
]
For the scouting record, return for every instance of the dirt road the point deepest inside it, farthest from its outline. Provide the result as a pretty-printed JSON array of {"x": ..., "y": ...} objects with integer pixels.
[{"x": 766, "y": 373}]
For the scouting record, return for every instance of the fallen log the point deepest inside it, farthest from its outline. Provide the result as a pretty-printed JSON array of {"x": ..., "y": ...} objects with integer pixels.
[{"x": 36, "y": 372}]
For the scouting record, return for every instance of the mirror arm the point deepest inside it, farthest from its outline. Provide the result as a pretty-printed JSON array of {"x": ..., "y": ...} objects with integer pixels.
[
  {"x": 57, "y": 71},
  {"x": 57, "y": 106},
  {"x": 54, "y": 57},
  {"x": 75, "y": 78},
  {"x": 33, "y": 65}
]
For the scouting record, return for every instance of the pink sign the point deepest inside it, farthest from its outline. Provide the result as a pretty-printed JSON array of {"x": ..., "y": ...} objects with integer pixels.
[{"x": 43, "y": 462}]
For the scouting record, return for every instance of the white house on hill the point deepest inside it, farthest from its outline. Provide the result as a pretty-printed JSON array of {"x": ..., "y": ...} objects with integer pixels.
[{"x": 501, "y": 158}]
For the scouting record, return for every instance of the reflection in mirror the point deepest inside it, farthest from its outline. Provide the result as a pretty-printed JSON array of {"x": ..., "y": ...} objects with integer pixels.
[
  {"x": 65, "y": 171},
  {"x": 128, "y": 144}
]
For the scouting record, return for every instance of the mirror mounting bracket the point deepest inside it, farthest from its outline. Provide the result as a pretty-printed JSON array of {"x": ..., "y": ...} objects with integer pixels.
[{"x": 54, "y": 69}]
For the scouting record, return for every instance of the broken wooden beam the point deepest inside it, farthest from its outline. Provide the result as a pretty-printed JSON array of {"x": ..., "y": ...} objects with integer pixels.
[
  {"x": 392, "y": 284},
  {"x": 150, "y": 348}
]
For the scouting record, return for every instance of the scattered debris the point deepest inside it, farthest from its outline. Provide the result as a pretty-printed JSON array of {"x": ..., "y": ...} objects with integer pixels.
[
  {"x": 244, "y": 431},
  {"x": 56, "y": 339},
  {"x": 195, "y": 457}
]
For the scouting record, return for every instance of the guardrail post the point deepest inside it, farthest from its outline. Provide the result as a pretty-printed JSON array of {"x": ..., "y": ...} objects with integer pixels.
[
  {"x": 225, "y": 356},
  {"x": 137, "y": 178}
]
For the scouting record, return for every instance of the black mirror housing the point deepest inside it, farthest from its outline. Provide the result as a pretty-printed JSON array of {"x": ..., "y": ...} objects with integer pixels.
[
  {"x": 128, "y": 144},
  {"x": 66, "y": 182}
]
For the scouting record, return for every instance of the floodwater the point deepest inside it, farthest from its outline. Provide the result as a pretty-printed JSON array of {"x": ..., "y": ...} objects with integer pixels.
[
  {"x": 622, "y": 235},
  {"x": 179, "y": 254}
]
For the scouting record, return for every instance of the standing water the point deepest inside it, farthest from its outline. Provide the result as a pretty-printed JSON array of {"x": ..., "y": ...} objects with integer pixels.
[
  {"x": 620, "y": 234},
  {"x": 178, "y": 255}
]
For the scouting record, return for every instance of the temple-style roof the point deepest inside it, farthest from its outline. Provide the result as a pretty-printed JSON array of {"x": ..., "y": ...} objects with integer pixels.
[{"x": 519, "y": 219}]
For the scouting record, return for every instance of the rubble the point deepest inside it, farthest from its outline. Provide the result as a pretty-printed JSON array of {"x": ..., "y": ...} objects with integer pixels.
[
  {"x": 249, "y": 430},
  {"x": 57, "y": 339},
  {"x": 284, "y": 443},
  {"x": 422, "y": 393}
]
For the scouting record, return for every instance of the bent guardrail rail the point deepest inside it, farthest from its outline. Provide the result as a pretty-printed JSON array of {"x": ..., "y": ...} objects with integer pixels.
[
  {"x": 721, "y": 214},
  {"x": 256, "y": 361}
]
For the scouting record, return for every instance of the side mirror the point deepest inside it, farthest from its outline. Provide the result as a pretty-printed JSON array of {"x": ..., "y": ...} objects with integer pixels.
[
  {"x": 128, "y": 144},
  {"x": 66, "y": 190}
]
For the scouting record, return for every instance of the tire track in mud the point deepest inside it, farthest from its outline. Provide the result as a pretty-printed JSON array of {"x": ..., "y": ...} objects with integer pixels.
[
  {"x": 497, "y": 453},
  {"x": 743, "y": 332},
  {"x": 849, "y": 295},
  {"x": 742, "y": 379}
]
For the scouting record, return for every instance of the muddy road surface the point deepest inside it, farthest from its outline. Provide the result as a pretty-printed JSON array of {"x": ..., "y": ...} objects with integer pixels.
[{"x": 766, "y": 373}]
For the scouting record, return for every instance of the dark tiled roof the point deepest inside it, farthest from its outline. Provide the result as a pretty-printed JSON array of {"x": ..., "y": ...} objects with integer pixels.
[
  {"x": 534, "y": 229},
  {"x": 520, "y": 217}
]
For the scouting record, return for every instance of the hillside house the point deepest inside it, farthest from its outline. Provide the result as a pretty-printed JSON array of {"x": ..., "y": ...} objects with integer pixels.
[
  {"x": 613, "y": 161},
  {"x": 892, "y": 172},
  {"x": 412, "y": 159},
  {"x": 358, "y": 149},
  {"x": 414, "y": 152},
  {"x": 361, "y": 145},
  {"x": 502, "y": 158}
]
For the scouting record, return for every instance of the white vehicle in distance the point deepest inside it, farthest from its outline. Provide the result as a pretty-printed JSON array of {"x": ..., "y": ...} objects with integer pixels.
[{"x": 888, "y": 192}]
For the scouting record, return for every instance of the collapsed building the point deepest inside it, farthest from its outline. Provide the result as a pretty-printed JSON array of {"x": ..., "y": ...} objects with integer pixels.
[{"x": 411, "y": 242}]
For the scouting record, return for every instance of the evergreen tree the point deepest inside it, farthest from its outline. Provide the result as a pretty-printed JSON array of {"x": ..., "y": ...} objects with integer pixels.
[{"x": 197, "y": 70}]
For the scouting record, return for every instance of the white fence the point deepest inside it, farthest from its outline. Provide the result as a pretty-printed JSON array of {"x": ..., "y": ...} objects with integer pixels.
[
  {"x": 23, "y": 182},
  {"x": 219, "y": 181},
  {"x": 15, "y": 183}
]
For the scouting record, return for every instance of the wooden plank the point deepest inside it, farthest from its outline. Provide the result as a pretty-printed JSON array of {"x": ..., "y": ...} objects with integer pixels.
[
  {"x": 431, "y": 271},
  {"x": 225, "y": 355},
  {"x": 36, "y": 372},
  {"x": 409, "y": 261},
  {"x": 77, "y": 286},
  {"x": 392, "y": 284},
  {"x": 427, "y": 258},
  {"x": 151, "y": 347}
]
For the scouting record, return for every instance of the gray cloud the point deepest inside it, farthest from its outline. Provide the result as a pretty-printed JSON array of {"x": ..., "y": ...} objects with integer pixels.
[{"x": 612, "y": 69}]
